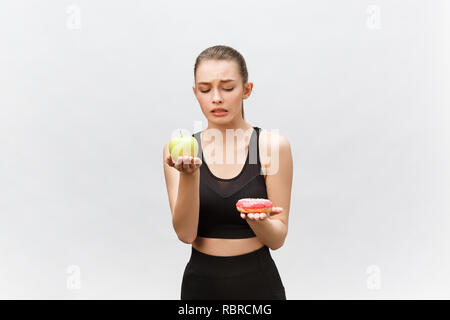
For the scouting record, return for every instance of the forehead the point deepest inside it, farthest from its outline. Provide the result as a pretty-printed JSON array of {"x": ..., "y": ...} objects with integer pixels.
[{"x": 216, "y": 70}]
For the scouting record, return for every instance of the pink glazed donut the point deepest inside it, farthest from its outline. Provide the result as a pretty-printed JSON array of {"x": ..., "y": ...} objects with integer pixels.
[{"x": 254, "y": 205}]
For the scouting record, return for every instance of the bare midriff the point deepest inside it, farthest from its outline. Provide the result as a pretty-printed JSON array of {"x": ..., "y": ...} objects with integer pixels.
[{"x": 226, "y": 247}]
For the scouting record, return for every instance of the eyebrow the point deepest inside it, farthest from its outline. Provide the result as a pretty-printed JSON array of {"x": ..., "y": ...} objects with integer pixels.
[{"x": 227, "y": 80}]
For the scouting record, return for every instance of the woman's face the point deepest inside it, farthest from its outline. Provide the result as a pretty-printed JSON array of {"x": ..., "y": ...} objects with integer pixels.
[{"x": 219, "y": 85}]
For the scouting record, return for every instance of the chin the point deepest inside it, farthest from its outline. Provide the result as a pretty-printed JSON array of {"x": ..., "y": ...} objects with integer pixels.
[{"x": 221, "y": 120}]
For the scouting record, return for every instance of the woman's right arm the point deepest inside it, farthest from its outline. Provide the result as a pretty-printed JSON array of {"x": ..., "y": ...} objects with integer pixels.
[{"x": 182, "y": 183}]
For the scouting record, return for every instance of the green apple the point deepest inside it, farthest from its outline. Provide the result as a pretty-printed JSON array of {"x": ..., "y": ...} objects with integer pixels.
[{"x": 183, "y": 146}]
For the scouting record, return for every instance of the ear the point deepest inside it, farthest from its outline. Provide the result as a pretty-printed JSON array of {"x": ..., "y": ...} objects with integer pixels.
[
  {"x": 193, "y": 89},
  {"x": 248, "y": 87}
]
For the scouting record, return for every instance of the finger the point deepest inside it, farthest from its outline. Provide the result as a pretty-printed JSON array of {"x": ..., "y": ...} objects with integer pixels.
[
  {"x": 186, "y": 162},
  {"x": 168, "y": 159},
  {"x": 197, "y": 161},
  {"x": 250, "y": 215},
  {"x": 183, "y": 162},
  {"x": 191, "y": 163},
  {"x": 179, "y": 163},
  {"x": 276, "y": 210},
  {"x": 243, "y": 215},
  {"x": 262, "y": 216}
]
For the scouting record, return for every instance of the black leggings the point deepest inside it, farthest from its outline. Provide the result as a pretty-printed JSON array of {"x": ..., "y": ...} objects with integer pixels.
[{"x": 253, "y": 275}]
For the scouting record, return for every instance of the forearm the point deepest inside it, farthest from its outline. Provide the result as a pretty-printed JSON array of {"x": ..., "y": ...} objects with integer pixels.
[
  {"x": 186, "y": 212},
  {"x": 271, "y": 232}
]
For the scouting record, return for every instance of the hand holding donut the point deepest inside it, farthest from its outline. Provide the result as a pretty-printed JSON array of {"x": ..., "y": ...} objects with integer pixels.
[
  {"x": 256, "y": 208},
  {"x": 261, "y": 216},
  {"x": 184, "y": 164}
]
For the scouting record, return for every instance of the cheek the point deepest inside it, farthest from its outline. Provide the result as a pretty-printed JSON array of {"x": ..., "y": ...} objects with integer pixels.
[
  {"x": 235, "y": 97},
  {"x": 204, "y": 101}
]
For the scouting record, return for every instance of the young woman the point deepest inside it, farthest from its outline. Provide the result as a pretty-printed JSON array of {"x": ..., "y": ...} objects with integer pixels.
[{"x": 230, "y": 257}]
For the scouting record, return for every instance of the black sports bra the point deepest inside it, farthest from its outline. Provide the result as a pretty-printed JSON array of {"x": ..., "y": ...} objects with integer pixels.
[{"x": 218, "y": 216}]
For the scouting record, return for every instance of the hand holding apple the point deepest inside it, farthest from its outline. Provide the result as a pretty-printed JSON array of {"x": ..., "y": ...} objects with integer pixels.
[
  {"x": 183, "y": 152},
  {"x": 185, "y": 164}
]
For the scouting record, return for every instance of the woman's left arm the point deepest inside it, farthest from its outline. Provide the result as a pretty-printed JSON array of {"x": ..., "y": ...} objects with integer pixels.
[{"x": 272, "y": 230}]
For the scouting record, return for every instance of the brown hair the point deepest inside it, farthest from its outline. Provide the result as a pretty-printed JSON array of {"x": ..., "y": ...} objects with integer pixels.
[{"x": 221, "y": 52}]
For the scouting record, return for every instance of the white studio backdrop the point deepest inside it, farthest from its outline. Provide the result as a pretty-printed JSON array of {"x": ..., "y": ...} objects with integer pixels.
[{"x": 91, "y": 90}]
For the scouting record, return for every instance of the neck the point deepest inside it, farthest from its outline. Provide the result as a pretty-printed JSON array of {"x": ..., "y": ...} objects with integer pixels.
[{"x": 241, "y": 124}]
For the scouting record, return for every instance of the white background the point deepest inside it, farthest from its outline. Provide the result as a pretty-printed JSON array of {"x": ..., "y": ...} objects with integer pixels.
[{"x": 91, "y": 90}]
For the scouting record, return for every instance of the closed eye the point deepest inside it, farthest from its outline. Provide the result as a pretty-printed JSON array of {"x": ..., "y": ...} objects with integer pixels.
[{"x": 209, "y": 89}]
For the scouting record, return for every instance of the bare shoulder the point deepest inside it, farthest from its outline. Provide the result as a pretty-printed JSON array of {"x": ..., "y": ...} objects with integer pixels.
[{"x": 271, "y": 141}]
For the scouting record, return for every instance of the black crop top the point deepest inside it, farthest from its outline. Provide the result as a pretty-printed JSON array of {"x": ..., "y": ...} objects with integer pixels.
[{"x": 218, "y": 216}]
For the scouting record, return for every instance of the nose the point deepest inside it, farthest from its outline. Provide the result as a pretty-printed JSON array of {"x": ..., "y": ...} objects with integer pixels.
[{"x": 217, "y": 98}]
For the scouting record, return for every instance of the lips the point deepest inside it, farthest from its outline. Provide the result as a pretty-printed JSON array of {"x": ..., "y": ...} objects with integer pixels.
[{"x": 219, "y": 110}]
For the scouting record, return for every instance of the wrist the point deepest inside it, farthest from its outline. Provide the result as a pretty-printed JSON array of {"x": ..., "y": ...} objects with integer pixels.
[{"x": 192, "y": 174}]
